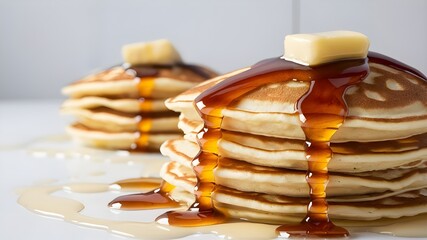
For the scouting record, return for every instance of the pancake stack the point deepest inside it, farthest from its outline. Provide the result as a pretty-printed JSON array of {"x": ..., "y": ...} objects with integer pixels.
[
  {"x": 123, "y": 107},
  {"x": 378, "y": 168}
]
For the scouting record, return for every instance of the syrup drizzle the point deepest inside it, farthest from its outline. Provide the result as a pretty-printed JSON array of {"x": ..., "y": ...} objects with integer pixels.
[
  {"x": 322, "y": 111},
  {"x": 145, "y": 105},
  {"x": 145, "y": 76}
]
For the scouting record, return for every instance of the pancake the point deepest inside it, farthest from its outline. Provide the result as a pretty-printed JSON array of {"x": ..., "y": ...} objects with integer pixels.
[
  {"x": 279, "y": 209},
  {"x": 416, "y": 142},
  {"x": 114, "y": 121},
  {"x": 190, "y": 127},
  {"x": 271, "y": 208},
  {"x": 295, "y": 159},
  {"x": 180, "y": 150},
  {"x": 388, "y": 104},
  {"x": 118, "y": 140},
  {"x": 252, "y": 178},
  {"x": 180, "y": 176},
  {"x": 350, "y": 157},
  {"x": 120, "y": 81},
  {"x": 122, "y": 104}
]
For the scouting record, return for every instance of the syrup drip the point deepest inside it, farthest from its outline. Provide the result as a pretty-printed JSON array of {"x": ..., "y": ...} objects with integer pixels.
[
  {"x": 145, "y": 76},
  {"x": 145, "y": 105},
  {"x": 201, "y": 212},
  {"x": 322, "y": 111},
  {"x": 157, "y": 198},
  {"x": 145, "y": 86},
  {"x": 144, "y": 125}
]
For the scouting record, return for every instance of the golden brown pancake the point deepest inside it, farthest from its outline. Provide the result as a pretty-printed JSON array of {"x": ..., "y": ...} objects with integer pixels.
[
  {"x": 244, "y": 176},
  {"x": 120, "y": 82},
  {"x": 375, "y": 111},
  {"x": 127, "y": 105},
  {"x": 119, "y": 108},
  {"x": 115, "y": 121},
  {"x": 118, "y": 140},
  {"x": 273, "y": 208}
]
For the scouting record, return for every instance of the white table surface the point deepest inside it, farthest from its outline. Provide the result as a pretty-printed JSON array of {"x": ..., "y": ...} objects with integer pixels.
[{"x": 21, "y": 124}]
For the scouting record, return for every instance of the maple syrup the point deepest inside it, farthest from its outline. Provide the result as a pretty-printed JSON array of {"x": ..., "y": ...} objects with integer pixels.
[
  {"x": 145, "y": 105},
  {"x": 138, "y": 183},
  {"x": 145, "y": 76},
  {"x": 157, "y": 198}
]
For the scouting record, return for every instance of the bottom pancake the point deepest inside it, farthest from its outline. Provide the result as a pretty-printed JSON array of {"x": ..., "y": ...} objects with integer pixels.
[
  {"x": 123, "y": 140},
  {"x": 276, "y": 209},
  {"x": 270, "y": 208},
  {"x": 244, "y": 176},
  {"x": 111, "y": 120}
]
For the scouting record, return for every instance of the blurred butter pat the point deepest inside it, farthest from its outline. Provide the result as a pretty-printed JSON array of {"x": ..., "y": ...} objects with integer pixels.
[
  {"x": 319, "y": 48},
  {"x": 156, "y": 52}
]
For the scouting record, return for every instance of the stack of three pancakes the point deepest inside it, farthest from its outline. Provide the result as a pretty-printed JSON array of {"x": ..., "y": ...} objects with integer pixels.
[
  {"x": 378, "y": 169},
  {"x": 123, "y": 107}
]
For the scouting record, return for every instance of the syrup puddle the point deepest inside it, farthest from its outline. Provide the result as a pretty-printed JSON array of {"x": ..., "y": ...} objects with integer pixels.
[
  {"x": 65, "y": 201},
  {"x": 41, "y": 200}
]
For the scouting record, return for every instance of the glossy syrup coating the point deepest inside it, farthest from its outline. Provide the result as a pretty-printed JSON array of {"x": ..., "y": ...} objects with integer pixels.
[{"x": 322, "y": 111}]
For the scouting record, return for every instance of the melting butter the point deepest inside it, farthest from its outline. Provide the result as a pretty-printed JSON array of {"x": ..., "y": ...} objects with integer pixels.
[{"x": 319, "y": 48}]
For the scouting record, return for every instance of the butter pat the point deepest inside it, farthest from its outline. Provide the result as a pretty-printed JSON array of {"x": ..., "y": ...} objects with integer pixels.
[
  {"x": 156, "y": 52},
  {"x": 319, "y": 48}
]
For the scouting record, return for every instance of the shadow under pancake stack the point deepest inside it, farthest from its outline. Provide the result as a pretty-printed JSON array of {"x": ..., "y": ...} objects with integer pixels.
[
  {"x": 313, "y": 146},
  {"x": 123, "y": 107}
]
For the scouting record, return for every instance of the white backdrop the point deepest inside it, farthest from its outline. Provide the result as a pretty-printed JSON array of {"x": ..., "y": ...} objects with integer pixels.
[{"x": 46, "y": 44}]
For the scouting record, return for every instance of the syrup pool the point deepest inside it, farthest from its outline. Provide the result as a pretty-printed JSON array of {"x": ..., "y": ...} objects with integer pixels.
[{"x": 82, "y": 199}]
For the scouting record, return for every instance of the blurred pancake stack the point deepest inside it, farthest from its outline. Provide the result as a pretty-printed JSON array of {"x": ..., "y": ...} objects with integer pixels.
[
  {"x": 123, "y": 107},
  {"x": 378, "y": 168}
]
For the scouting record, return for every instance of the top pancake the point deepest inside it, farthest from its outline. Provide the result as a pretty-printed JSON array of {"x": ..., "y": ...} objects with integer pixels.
[
  {"x": 388, "y": 104},
  {"x": 120, "y": 82}
]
